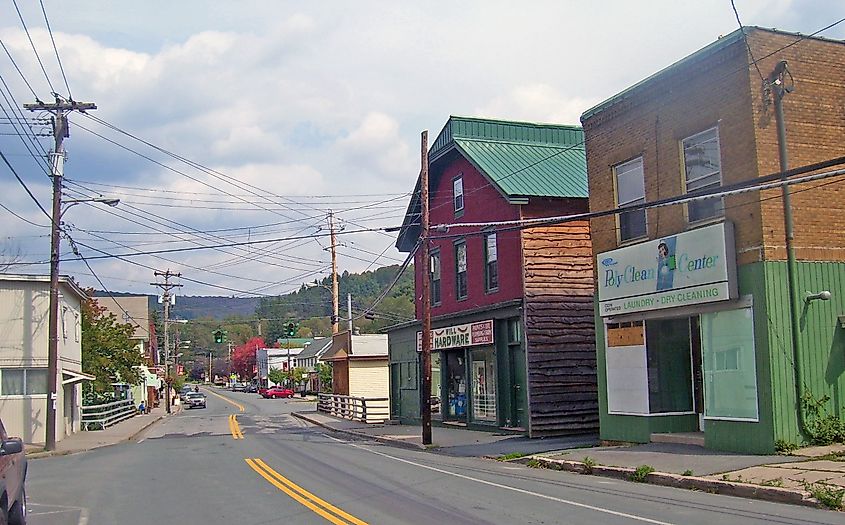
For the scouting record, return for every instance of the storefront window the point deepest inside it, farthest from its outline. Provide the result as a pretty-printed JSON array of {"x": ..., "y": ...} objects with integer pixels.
[
  {"x": 669, "y": 365},
  {"x": 435, "y": 385},
  {"x": 730, "y": 373},
  {"x": 483, "y": 369},
  {"x": 456, "y": 386}
]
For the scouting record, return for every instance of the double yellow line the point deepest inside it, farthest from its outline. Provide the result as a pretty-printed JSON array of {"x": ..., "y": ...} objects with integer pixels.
[
  {"x": 234, "y": 427},
  {"x": 299, "y": 494}
]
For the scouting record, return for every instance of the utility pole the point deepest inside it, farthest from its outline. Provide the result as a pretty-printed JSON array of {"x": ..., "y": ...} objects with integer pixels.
[
  {"x": 335, "y": 306},
  {"x": 349, "y": 310},
  {"x": 425, "y": 394},
  {"x": 166, "y": 286},
  {"x": 57, "y": 161}
]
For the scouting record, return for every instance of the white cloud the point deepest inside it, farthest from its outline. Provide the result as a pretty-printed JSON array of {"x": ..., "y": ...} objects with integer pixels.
[{"x": 539, "y": 103}]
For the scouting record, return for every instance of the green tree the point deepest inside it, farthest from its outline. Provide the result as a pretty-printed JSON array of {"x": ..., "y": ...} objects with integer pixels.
[
  {"x": 108, "y": 352},
  {"x": 277, "y": 376},
  {"x": 324, "y": 372}
]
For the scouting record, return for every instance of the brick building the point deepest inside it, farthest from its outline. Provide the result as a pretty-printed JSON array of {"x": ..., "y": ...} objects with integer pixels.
[
  {"x": 693, "y": 310},
  {"x": 513, "y": 342}
]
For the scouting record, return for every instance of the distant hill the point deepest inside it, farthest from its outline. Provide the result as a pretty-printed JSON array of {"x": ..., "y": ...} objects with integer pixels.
[{"x": 197, "y": 306}]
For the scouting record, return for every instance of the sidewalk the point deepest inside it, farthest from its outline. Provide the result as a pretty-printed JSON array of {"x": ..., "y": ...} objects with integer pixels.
[
  {"x": 88, "y": 440},
  {"x": 806, "y": 477},
  {"x": 451, "y": 441}
]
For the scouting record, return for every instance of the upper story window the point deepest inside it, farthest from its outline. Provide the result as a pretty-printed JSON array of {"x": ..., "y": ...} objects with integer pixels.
[
  {"x": 435, "y": 278},
  {"x": 461, "y": 270},
  {"x": 491, "y": 263},
  {"x": 458, "y": 193},
  {"x": 630, "y": 189},
  {"x": 703, "y": 170}
]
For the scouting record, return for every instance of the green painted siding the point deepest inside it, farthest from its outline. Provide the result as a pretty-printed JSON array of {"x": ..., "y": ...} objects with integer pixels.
[
  {"x": 402, "y": 349},
  {"x": 822, "y": 341}
]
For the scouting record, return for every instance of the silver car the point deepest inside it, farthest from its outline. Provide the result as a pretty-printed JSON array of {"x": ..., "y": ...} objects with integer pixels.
[{"x": 195, "y": 400}]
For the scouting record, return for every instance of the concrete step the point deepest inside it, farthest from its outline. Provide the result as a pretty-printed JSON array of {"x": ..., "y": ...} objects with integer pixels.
[{"x": 683, "y": 438}]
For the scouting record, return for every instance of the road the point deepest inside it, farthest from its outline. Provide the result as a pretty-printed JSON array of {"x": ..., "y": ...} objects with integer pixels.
[{"x": 245, "y": 461}]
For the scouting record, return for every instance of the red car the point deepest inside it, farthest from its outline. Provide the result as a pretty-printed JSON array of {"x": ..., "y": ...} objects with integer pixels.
[{"x": 277, "y": 391}]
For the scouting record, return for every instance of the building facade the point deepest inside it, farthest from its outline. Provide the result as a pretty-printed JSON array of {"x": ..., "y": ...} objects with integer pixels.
[
  {"x": 693, "y": 308},
  {"x": 359, "y": 365},
  {"x": 513, "y": 343},
  {"x": 24, "y": 338}
]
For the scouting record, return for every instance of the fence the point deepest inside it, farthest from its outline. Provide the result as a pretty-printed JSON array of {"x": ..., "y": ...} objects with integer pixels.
[
  {"x": 108, "y": 414},
  {"x": 364, "y": 409}
]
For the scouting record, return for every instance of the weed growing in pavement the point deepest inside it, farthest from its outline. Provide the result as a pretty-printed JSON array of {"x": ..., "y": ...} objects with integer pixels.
[
  {"x": 534, "y": 463},
  {"x": 512, "y": 455},
  {"x": 775, "y": 482},
  {"x": 833, "y": 456},
  {"x": 785, "y": 447},
  {"x": 738, "y": 479},
  {"x": 642, "y": 472},
  {"x": 589, "y": 463},
  {"x": 823, "y": 428},
  {"x": 827, "y": 495},
  {"x": 687, "y": 472}
]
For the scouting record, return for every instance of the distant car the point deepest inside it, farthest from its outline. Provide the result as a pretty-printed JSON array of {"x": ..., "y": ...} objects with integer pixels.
[
  {"x": 195, "y": 400},
  {"x": 277, "y": 391},
  {"x": 263, "y": 390},
  {"x": 238, "y": 387},
  {"x": 251, "y": 388},
  {"x": 12, "y": 478},
  {"x": 184, "y": 392}
]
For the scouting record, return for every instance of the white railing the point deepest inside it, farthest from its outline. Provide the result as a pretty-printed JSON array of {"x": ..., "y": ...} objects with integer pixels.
[
  {"x": 364, "y": 409},
  {"x": 107, "y": 414}
]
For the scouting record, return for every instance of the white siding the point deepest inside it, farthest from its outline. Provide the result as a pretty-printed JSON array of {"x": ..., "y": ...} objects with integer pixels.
[{"x": 369, "y": 378}]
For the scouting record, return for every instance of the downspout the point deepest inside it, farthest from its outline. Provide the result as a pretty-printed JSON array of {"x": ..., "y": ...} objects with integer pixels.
[{"x": 776, "y": 81}]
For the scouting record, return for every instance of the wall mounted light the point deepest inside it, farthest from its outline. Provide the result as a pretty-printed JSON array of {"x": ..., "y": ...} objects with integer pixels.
[{"x": 823, "y": 295}]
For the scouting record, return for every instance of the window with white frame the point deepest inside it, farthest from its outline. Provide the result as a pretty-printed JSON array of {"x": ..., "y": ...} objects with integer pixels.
[
  {"x": 702, "y": 171},
  {"x": 491, "y": 263},
  {"x": 461, "y": 270},
  {"x": 458, "y": 193},
  {"x": 630, "y": 189},
  {"x": 23, "y": 381},
  {"x": 435, "y": 278}
]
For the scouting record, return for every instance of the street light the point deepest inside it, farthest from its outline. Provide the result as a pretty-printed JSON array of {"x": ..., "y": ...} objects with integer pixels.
[{"x": 53, "y": 323}]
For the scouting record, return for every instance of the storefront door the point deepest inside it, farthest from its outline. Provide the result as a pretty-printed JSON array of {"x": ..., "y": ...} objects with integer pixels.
[
  {"x": 456, "y": 385},
  {"x": 518, "y": 401},
  {"x": 483, "y": 369}
]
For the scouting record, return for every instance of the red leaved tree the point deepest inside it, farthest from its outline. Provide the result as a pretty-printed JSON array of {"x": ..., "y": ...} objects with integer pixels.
[{"x": 243, "y": 357}]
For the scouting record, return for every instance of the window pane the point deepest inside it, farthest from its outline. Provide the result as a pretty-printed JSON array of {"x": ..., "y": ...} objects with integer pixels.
[
  {"x": 629, "y": 181},
  {"x": 435, "y": 266},
  {"x": 730, "y": 373},
  {"x": 669, "y": 364},
  {"x": 458, "y": 193},
  {"x": 491, "y": 248},
  {"x": 12, "y": 379},
  {"x": 632, "y": 225},
  {"x": 703, "y": 169},
  {"x": 36, "y": 381},
  {"x": 461, "y": 257},
  {"x": 483, "y": 385}
]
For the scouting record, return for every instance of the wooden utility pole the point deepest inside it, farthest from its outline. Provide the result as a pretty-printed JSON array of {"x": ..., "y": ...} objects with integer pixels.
[
  {"x": 57, "y": 162},
  {"x": 166, "y": 286},
  {"x": 425, "y": 394},
  {"x": 335, "y": 306}
]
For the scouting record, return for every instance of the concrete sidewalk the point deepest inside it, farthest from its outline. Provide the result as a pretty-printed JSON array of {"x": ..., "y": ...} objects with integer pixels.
[
  {"x": 91, "y": 439},
  {"x": 451, "y": 441},
  {"x": 806, "y": 477}
]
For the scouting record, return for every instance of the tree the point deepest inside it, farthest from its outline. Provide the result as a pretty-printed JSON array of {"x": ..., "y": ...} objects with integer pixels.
[
  {"x": 197, "y": 371},
  {"x": 220, "y": 367},
  {"x": 243, "y": 358},
  {"x": 324, "y": 372},
  {"x": 277, "y": 376},
  {"x": 108, "y": 352}
]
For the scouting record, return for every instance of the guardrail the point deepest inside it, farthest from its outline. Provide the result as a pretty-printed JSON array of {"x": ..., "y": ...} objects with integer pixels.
[
  {"x": 364, "y": 409},
  {"x": 107, "y": 414}
]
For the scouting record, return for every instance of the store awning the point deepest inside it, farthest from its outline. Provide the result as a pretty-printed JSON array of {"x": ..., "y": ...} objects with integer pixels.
[{"x": 70, "y": 377}]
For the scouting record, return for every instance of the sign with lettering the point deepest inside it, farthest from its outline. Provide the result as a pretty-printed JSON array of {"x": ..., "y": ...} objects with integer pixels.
[
  {"x": 694, "y": 267},
  {"x": 460, "y": 336}
]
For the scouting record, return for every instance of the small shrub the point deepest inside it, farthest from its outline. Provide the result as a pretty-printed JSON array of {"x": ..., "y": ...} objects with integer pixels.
[
  {"x": 827, "y": 495},
  {"x": 642, "y": 472},
  {"x": 785, "y": 447},
  {"x": 589, "y": 463},
  {"x": 687, "y": 472},
  {"x": 776, "y": 482},
  {"x": 823, "y": 428},
  {"x": 512, "y": 455},
  {"x": 534, "y": 463}
]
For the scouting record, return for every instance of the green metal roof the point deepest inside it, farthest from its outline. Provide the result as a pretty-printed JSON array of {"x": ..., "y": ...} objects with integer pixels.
[{"x": 522, "y": 159}]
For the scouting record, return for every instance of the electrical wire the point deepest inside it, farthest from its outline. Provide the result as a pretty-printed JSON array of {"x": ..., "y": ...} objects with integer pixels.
[
  {"x": 56, "y": 49},
  {"x": 31, "y": 43}
]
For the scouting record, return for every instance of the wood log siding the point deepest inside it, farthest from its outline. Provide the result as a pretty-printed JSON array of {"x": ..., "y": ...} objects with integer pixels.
[{"x": 560, "y": 329}]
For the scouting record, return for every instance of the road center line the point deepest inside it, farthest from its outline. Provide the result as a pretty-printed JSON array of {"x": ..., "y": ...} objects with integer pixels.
[
  {"x": 234, "y": 427},
  {"x": 506, "y": 487},
  {"x": 302, "y": 496},
  {"x": 226, "y": 399}
]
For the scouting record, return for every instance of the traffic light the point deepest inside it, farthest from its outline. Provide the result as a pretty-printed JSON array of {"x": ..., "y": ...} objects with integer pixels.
[
  {"x": 219, "y": 336},
  {"x": 290, "y": 329}
]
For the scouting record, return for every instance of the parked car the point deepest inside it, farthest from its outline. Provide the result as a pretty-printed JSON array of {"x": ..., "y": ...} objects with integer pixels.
[
  {"x": 251, "y": 388},
  {"x": 263, "y": 390},
  {"x": 184, "y": 392},
  {"x": 277, "y": 391},
  {"x": 238, "y": 387},
  {"x": 12, "y": 478},
  {"x": 195, "y": 400}
]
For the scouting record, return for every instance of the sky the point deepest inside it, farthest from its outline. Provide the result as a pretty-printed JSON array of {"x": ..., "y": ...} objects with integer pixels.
[{"x": 221, "y": 122}]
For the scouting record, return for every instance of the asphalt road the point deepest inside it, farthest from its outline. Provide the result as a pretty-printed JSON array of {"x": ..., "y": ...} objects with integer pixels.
[{"x": 195, "y": 468}]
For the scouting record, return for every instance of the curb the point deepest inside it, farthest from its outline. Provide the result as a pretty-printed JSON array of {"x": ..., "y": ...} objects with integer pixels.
[
  {"x": 381, "y": 439},
  {"x": 729, "y": 488}
]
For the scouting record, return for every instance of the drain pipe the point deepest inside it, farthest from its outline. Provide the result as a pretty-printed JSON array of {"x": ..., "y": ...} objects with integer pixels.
[{"x": 779, "y": 89}]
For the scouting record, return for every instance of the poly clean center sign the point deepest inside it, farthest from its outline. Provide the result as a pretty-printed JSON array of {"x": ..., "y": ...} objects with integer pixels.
[{"x": 694, "y": 267}]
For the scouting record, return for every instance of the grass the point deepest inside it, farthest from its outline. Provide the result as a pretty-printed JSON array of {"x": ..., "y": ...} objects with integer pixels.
[
  {"x": 827, "y": 495},
  {"x": 589, "y": 463},
  {"x": 534, "y": 463},
  {"x": 776, "y": 482},
  {"x": 687, "y": 472},
  {"x": 641, "y": 474},
  {"x": 785, "y": 447},
  {"x": 512, "y": 455}
]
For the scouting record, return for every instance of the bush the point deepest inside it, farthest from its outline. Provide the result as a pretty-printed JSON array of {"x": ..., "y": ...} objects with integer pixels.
[{"x": 641, "y": 474}]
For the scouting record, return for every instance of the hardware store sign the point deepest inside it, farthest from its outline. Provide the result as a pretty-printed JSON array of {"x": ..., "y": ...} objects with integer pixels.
[
  {"x": 694, "y": 267},
  {"x": 460, "y": 336}
]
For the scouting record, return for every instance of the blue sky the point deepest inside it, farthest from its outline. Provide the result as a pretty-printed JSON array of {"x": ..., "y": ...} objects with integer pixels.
[{"x": 303, "y": 100}]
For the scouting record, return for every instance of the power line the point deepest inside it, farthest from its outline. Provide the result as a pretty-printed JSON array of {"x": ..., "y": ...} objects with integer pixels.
[
  {"x": 19, "y": 71},
  {"x": 31, "y": 43},
  {"x": 25, "y": 187},
  {"x": 56, "y": 49},
  {"x": 745, "y": 38}
]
